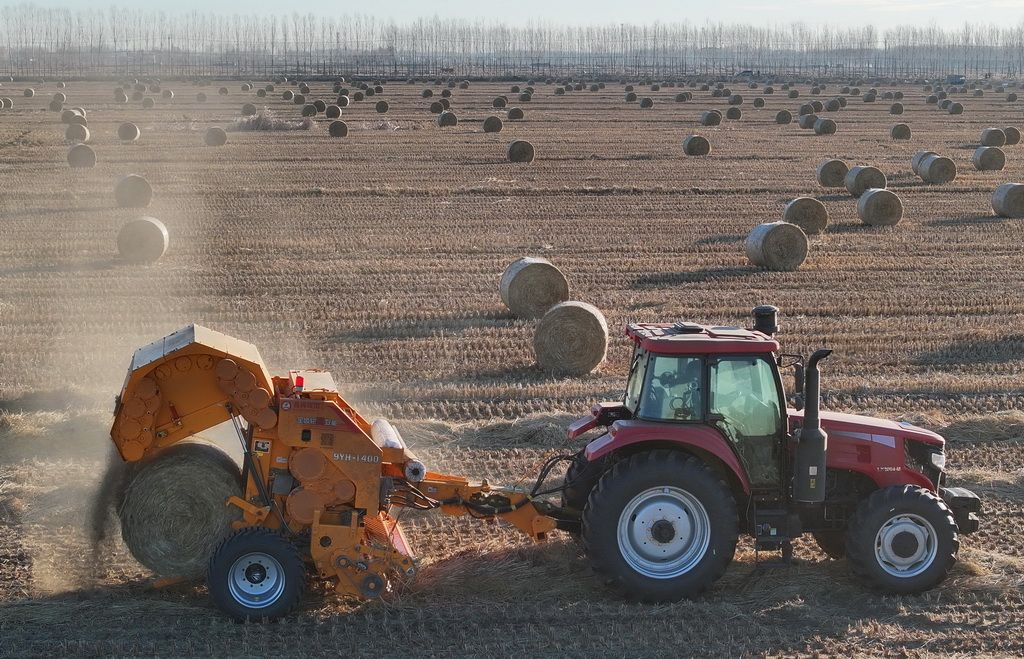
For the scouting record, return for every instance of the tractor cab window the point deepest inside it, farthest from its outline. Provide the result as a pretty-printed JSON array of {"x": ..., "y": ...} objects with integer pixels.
[
  {"x": 637, "y": 369},
  {"x": 745, "y": 397},
  {"x": 672, "y": 389}
]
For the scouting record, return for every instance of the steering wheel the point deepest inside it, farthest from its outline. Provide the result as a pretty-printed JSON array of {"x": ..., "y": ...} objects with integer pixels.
[{"x": 679, "y": 407}]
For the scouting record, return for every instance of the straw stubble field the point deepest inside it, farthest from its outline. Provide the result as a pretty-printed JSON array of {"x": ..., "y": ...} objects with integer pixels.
[{"x": 378, "y": 255}]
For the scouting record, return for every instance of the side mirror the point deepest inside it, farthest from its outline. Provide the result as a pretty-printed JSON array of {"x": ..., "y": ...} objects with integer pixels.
[{"x": 798, "y": 386}]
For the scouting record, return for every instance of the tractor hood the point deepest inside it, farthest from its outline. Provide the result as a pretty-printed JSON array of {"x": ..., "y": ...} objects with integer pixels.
[{"x": 855, "y": 426}]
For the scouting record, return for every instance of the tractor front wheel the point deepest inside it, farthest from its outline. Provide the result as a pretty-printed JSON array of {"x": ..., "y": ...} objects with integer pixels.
[
  {"x": 902, "y": 539},
  {"x": 661, "y": 526},
  {"x": 256, "y": 574}
]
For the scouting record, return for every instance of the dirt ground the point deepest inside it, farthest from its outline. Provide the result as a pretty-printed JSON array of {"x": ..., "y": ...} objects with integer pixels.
[{"x": 377, "y": 256}]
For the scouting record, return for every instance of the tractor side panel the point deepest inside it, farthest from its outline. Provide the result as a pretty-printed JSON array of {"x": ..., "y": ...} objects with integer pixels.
[{"x": 699, "y": 439}]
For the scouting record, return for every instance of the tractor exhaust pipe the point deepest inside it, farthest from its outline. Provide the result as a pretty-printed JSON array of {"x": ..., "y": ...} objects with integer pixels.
[{"x": 809, "y": 472}]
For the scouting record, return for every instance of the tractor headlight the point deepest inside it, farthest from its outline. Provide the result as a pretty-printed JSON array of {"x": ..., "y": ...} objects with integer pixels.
[{"x": 938, "y": 460}]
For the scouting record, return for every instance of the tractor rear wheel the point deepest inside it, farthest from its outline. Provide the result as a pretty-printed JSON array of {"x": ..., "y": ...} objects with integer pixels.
[
  {"x": 661, "y": 526},
  {"x": 902, "y": 539},
  {"x": 832, "y": 542},
  {"x": 255, "y": 574},
  {"x": 173, "y": 510}
]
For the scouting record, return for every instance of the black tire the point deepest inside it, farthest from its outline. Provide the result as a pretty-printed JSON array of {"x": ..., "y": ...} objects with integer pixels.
[
  {"x": 876, "y": 511},
  {"x": 249, "y": 541},
  {"x": 641, "y": 473},
  {"x": 580, "y": 479},
  {"x": 832, "y": 542}
]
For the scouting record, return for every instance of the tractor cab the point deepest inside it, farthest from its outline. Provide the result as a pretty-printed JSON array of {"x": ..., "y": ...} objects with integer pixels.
[{"x": 723, "y": 377}]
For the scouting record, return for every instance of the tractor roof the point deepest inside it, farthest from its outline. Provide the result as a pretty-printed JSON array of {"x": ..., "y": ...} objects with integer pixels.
[{"x": 692, "y": 339}]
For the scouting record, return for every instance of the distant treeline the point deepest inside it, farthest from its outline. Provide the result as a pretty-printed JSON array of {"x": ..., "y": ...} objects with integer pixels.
[{"x": 37, "y": 41}]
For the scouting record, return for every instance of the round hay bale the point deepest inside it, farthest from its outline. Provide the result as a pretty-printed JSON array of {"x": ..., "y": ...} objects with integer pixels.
[
  {"x": 55, "y": 106},
  {"x": 842, "y": 101},
  {"x": 1008, "y": 200},
  {"x": 710, "y": 118},
  {"x": 82, "y": 156},
  {"x": 447, "y": 118},
  {"x": 988, "y": 159},
  {"x": 76, "y": 133},
  {"x": 436, "y": 107},
  {"x": 733, "y": 113},
  {"x": 168, "y": 94},
  {"x": 337, "y": 129},
  {"x": 287, "y": 95},
  {"x": 215, "y": 136},
  {"x": 956, "y": 108},
  {"x": 1011, "y": 98},
  {"x": 559, "y": 91},
  {"x": 332, "y": 112},
  {"x": 900, "y": 132},
  {"x": 778, "y": 246},
  {"x": 525, "y": 97},
  {"x": 758, "y": 102},
  {"x": 446, "y": 104},
  {"x": 993, "y": 137},
  {"x": 869, "y": 98},
  {"x": 248, "y": 110},
  {"x": 342, "y": 101},
  {"x": 824, "y": 126},
  {"x": 915, "y": 161},
  {"x": 646, "y": 103},
  {"x": 854, "y": 91},
  {"x": 520, "y": 151},
  {"x": 320, "y": 106},
  {"x": 936, "y": 169},
  {"x": 6, "y": 103},
  {"x": 831, "y": 173},
  {"x": 515, "y": 114},
  {"x": 807, "y": 121},
  {"x": 532, "y": 285},
  {"x": 1012, "y": 135},
  {"x": 299, "y": 99},
  {"x": 896, "y": 108},
  {"x": 794, "y": 93},
  {"x": 148, "y": 103},
  {"x": 499, "y": 102},
  {"x": 381, "y": 107},
  {"x": 309, "y": 110},
  {"x": 492, "y": 125},
  {"x": 67, "y": 115},
  {"x": 29, "y": 93},
  {"x": 696, "y": 145},
  {"x": 769, "y": 90},
  {"x": 879, "y": 208},
  {"x": 173, "y": 513},
  {"x": 200, "y": 97},
  {"x": 807, "y": 213},
  {"x": 805, "y": 109},
  {"x": 427, "y": 93},
  {"x": 571, "y": 339},
  {"x": 784, "y": 117},
  {"x": 223, "y": 91},
  {"x": 735, "y": 99},
  {"x": 932, "y": 100},
  {"x": 862, "y": 178},
  {"x": 897, "y": 96},
  {"x": 818, "y": 106},
  {"x": 133, "y": 191}
]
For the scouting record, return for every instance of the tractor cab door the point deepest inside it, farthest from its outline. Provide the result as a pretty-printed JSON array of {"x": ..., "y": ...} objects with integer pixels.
[{"x": 746, "y": 404}]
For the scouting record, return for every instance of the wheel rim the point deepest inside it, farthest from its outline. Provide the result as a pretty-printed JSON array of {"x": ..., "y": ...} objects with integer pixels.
[
  {"x": 256, "y": 580},
  {"x": 663, "y": 532},
  {"x": 906, "y": 545}
]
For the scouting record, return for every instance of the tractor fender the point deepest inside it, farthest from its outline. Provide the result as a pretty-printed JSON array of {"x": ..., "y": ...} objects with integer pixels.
[{"x": 698, "y": 439}]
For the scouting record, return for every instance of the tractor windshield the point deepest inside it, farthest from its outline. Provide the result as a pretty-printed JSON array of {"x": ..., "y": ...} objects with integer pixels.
[{"x": 672, "y": 389}]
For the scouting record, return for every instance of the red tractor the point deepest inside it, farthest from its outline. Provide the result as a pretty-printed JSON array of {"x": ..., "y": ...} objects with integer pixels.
[{"x": 704, "y": 447}]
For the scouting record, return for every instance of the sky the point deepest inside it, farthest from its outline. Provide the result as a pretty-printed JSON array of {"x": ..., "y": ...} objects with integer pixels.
[{"x": 880, "y": 13}]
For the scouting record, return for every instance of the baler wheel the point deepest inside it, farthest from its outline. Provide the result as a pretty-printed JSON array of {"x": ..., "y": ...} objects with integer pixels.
[
  {"x": 255, "y": 574},
  {"x": 661, "y": 526}
]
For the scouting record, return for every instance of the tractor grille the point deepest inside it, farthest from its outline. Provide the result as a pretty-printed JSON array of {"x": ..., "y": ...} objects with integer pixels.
[{"x": 918, "y": 456}]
